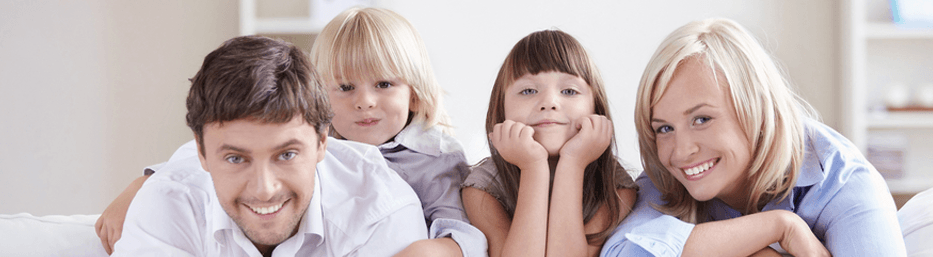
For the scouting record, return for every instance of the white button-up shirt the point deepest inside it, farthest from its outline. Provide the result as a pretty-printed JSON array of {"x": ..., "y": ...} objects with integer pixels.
[{"x": 360, "y": 207}]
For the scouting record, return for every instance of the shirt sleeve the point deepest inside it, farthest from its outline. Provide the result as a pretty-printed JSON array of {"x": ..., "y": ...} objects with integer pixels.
[
  {"x": 471, "y": 240},
  {"x": 646, "y": 231},
  {"x": 162, "y": 221},
  {"x": 859, "y": 219}
]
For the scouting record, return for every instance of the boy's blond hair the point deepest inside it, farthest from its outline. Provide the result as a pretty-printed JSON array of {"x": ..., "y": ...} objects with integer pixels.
[{"x": 378, "y": 43}]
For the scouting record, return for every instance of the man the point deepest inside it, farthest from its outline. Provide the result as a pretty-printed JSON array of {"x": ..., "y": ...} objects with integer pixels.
[{"x": 274, "y": 184}]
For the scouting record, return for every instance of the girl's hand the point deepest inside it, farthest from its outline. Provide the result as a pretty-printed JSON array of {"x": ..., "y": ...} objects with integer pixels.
[
  {"x": 515, "y": 144},
  {"x": 797, "y": 238},
  {"x": 589, "y": 143}
]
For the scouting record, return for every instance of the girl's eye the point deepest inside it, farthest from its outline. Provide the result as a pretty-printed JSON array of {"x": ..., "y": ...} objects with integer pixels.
[
  {"x": 701, "y": 120},
  {"x": 287, "y": 156},
  {"x": 527, "y": 91},
  {"x": 663, "y": 129},
  {"x": 234, "y": 159},
  {"x": 345, "y": 87},
  {"x": 569, "y": 91},
  {"x": 383, "y": 84}
]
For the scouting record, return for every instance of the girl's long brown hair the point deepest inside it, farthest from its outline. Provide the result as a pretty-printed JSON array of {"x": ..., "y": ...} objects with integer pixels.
[{"x": 552, "y": 50}]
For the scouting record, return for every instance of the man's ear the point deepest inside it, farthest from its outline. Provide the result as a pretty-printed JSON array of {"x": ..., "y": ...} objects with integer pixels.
[
  {"x": 322, "y": 147},
  {"x": 201, "y": 157}
]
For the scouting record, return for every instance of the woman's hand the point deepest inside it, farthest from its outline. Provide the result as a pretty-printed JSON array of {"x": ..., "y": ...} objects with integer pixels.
[
  {"x": 514, "y": 142},
  {"x": 797, "y": 238},
  {"x": 589, "y": 143}
]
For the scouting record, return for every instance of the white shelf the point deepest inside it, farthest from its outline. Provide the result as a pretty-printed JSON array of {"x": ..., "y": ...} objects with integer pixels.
[
  {"x": 909, "y": 185},
  {"x": 887, "y": 30},
  {"x": 900, "y": 120}
]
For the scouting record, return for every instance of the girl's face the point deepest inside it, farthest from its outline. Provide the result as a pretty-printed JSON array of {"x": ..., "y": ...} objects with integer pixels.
[
  {"x": 371, "y": 111},
  {"x": 699, "y": 138},
  {"x": 549, "y": 102}
]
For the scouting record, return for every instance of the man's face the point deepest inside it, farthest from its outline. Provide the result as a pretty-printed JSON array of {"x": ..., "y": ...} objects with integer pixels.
[{"x": 264, "y": 174}]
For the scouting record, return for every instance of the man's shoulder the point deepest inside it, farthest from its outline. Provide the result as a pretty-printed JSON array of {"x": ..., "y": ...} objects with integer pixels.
[{"x": 358, "y": 188}]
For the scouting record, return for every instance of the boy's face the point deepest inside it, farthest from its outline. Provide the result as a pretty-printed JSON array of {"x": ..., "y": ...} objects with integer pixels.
[
  {"x": 371, "y": 111},
  {"x": 264, "y": 174}
]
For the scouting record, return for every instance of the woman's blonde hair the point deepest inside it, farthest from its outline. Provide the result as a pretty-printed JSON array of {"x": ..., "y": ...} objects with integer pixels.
[
  {"x": 768, "y": 111},
  {"x": 378, "y": 43},
  {"x": 554, "y": 50}
]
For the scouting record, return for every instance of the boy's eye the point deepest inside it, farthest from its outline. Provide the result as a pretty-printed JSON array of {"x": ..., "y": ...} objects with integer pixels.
[
  {"x": 569, "y": 91},
  {"x": 527, "y": 91},
  {"x": 287, "y": 156},
  {"x": 663, "y": 129},
  {"x": 383, "y": 84},
  {"x": 234, "y": 159},
  {"x": 345, "y": 87}
]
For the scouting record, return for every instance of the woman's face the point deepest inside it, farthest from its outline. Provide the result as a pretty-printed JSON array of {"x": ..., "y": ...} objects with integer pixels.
[{"x": 699, "y": 138}]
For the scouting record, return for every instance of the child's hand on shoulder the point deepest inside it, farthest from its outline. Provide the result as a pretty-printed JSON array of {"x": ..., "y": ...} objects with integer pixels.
[
  {"x": 516, "y": 145},
  {"x": 590, "y": 142}
]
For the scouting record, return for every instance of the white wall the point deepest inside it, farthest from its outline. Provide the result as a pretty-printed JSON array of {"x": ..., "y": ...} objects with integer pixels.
[{"x": 90, "y": 92}]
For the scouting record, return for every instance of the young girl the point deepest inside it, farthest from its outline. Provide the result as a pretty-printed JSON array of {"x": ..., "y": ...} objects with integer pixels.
[
  {"x": 552, "y": 185},
  {"x": 383, "y": 92},
  {"x": 729, "y": 146}
]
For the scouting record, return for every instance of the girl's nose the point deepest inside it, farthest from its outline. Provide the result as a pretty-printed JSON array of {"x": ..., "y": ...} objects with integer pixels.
[{"x": 550, "y": 101}]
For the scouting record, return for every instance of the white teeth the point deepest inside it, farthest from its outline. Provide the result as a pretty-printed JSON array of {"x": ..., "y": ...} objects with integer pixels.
[
  {"x": 267, "y": 210},
  {"x": 699, "y": 168}
]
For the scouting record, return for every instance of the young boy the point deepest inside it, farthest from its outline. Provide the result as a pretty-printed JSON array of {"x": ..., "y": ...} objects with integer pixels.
[{"x": 274, "y": 185}]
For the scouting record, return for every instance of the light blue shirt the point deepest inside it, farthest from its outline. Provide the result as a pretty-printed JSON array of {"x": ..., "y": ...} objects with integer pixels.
[
  {"x": 843, "y": 199},
  {"x": 434, "y": 166},
  {"x": 359, "y": 208}
]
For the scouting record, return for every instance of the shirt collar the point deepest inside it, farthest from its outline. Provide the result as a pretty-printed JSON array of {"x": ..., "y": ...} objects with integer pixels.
[
  {"x": 417, "y": 138},
  {"x": 310, "y": 229}
]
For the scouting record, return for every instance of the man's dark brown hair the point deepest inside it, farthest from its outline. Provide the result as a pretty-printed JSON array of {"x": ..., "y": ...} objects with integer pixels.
[{"x": 257, "y": 78}]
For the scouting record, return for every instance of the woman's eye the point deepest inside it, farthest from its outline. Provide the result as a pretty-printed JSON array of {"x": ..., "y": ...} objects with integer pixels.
[
  {"x": 345, "y": 87},
  {"x": 701, "y": 120},
  {"x": 287, "y": 156},
  {"x": 569, "y": 91},
  {"x": 663, "y": 129},
  {"x": 234, "y": 159},
  {"x": 528, "y": 91},
  {"x": 383, "y": 84}
]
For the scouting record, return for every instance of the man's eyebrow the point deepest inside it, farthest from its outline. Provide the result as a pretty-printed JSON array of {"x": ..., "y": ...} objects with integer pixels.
[
  {"x": 226, "y": 147},
  {"x": 289, "y": 143}
]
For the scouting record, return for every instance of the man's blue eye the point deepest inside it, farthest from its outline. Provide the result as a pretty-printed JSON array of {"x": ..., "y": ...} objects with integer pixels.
[
  {"x": 234, "y": 159},
  {"x": 287, "y": 156}
]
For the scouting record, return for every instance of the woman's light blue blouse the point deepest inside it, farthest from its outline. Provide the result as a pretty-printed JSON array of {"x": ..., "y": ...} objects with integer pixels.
[{"x": 839, "y": 194}]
